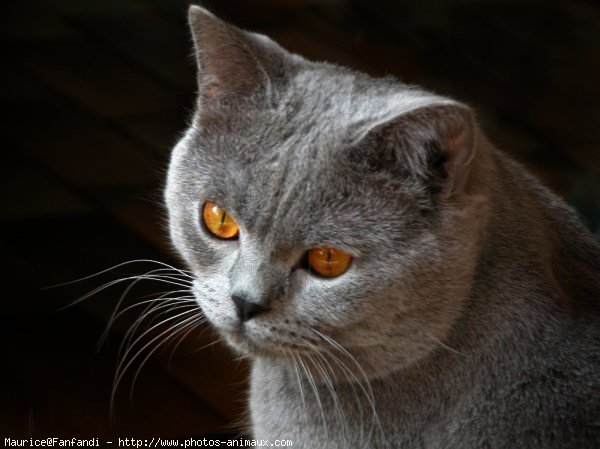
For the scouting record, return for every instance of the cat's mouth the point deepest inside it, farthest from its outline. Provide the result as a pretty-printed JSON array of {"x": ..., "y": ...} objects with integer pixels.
[
  {"x": 269, "y": 340},
  {"x": 317, "y": 354}
]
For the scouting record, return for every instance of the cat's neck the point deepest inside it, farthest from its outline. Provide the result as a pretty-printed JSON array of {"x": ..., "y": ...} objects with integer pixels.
[{"x": 538, "y": 270}]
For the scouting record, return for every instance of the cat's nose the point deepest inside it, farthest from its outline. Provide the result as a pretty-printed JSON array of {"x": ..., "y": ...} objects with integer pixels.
[{"x": 247, "y": 309}]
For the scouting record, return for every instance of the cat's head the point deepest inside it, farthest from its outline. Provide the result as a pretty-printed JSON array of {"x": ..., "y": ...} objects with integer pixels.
[{"x": 294, "y": 155}]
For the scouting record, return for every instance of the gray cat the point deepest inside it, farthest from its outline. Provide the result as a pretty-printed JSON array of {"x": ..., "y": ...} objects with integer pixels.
[{"x": 396, "y": 280}]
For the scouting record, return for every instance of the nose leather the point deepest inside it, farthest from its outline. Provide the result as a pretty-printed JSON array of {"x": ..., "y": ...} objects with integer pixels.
[{"x": 247, "y": 309}]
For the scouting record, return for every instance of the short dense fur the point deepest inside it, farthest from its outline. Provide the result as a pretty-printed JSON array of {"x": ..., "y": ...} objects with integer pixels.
[{"x": 469, "y": 317}]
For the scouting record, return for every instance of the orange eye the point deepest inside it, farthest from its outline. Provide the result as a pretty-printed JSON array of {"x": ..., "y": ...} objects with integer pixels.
[
  {"x": 219, "y": 222},
  {"x": 328, "y": 261}
]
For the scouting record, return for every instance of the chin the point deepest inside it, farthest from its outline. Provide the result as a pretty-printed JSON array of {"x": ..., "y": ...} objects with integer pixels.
[{"x": 243, "y": 343}]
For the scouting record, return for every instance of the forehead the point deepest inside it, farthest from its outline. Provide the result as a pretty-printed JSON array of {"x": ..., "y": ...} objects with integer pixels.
[
  {"x": 282, "y": 170},
  {"x": 297, "y": 192},
  {"x": 276, "y": 177}
]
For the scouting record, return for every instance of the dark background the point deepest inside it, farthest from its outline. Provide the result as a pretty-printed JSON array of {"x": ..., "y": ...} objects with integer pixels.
[{"x": 94, "y": 95}]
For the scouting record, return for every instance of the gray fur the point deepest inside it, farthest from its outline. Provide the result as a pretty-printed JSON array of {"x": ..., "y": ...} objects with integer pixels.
[{"x": 469, "y": 317}]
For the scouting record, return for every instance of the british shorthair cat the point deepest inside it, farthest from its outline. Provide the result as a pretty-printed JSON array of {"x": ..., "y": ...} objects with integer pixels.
[{"x": 396, "y": 281}]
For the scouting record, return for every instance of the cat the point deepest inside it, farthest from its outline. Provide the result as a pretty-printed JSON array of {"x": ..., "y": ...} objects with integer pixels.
[{"x": 396, "y": 281}]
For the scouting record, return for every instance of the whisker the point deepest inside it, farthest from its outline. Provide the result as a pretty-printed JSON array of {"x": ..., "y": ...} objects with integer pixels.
[
  {"x": 352, "y": 380},
  {"x": 118, "y": 305},
  {"x": 334, "y": 396},
  {"x": 176, "y": 329},
  {"x": 135, "y": 343},
  {"x": 121, "y": 370},
  {"x": 201, "y": 320},
  {"x": 315, "y": 390},
  {"x": 122, "y": 264},
  {"x": 152, "y": 308},
  {"x": 295, "y": 365},
  {"x": 208, "y": 345},
  {"x": 366, "y": 385},
  {"x": 155, "y": 304},
  {"x": 134, "y": 278},
  {"x": 160, "y": 298},
  {"x": 166, "y": 308}
]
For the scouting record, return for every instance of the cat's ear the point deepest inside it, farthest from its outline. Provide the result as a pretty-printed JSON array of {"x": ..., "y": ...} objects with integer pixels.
[
  {"x": 232, "y": 64},
  {"x": 435, "y": 143}
]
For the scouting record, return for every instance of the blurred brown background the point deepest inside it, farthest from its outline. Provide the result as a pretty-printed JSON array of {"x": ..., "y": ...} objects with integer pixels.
[{"x": 96, "y": 92}]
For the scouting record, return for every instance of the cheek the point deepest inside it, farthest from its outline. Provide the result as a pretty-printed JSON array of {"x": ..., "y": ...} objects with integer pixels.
[
  {"x": 213, "y": 295},
  {"x": 334, "y": 303}
]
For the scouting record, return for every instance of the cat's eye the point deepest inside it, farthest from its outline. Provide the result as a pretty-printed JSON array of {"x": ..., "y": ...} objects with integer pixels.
[
  {"x": 328, "y": 261},
  {"x": 219, "y": 222}
]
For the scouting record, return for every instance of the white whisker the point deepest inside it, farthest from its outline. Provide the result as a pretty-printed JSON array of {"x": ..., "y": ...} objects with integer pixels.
[
  {"x": 177, "y": 328},
  {"x": 315, "y": 390},
  {"x": 166, "y": 308},
  {"x": 366, "y": 385},
  {"x": 192, "y": 326},
  {"x": 149, "y": 313},
  {"x": 122, "y": 264},
  {"x": 295, "y": 365},
  {"x": 329, "y": 384},
  {"x": 114, "y": 314},
  {"x": 134, "y": 278},
  {"x": 123, "y": 367}
]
